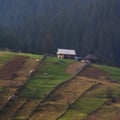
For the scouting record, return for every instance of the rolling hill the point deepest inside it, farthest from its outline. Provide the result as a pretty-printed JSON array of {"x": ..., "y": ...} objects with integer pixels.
[{"x": 43, "y": 88}]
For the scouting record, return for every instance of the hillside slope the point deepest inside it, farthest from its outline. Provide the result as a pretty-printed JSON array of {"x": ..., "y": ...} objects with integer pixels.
[{"x": 50, "y": 93}]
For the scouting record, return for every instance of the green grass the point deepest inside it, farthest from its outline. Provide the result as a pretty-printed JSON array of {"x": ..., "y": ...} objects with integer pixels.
[
  {"x": 112, "y": 72},
  {"x": 82, "y": 108},
  {"x": 6, "y": 56},
  {"x": 73, "y": 115},
  {"x": 90, "y": 102},
  {"x": 31, "y": 56},
  {"x": 115, "y": 91},
  {"x": 41, "y": 84},
  {"x": 86, "y": 105},
  {"x": 2, "y": 89}
]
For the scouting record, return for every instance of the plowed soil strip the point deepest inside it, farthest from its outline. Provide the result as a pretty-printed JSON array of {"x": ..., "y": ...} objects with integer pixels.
[
  {"x": 74, "y": 67},
  {"x": 26, "y": 109},
  {"x": 21, "y": 76},
  {"x": 59, "y": 100},
  {"x": 4, "y": 96},
  {"x": 92, "y": 72},
  {"x": 108, "y": 112},
  {"x": 7, "y": 113},
  {"x": 102, "y": 81},
  {"x": 7, "y": 71},
  {"x": 26, "y": 69},
  {"x": 10, "y": 83}
]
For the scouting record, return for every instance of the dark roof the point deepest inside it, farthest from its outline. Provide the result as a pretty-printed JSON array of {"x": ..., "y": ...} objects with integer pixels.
[{"x": 91, "y": 57}]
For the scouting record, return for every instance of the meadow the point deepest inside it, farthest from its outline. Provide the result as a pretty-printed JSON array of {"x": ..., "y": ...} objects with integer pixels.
[
  {"x": 49, "y": 74},
  {"x": 91, "y": 101}
]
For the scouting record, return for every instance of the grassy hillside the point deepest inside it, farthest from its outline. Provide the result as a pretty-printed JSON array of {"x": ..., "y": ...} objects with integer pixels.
[
  {"x": 91, "y": 101},
  {"x": 111, "y": 72},
  {"x": 49, "y": 74},
  {"x": 9, "y": 87},
  {"x": 97, "y": 98},
  {"x": 6, "y": 56},
  {"x": 102, "y": 97}
]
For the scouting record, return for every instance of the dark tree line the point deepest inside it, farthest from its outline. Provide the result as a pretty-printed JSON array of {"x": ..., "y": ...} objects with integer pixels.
[{"x": 40, "y": 26}]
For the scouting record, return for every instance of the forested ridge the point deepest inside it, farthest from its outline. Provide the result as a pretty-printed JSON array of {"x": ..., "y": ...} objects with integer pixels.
[{"x": 42, "y": 26}]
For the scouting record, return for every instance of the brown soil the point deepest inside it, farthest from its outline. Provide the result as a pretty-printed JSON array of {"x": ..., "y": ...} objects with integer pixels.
[
  {"x": 4, "y": 96},
  {"x": 8, "y": 113},
  {"x": 108, "y": 112},
  {"x": 74, "y": 67},
  {"x": 59, "y": 100},
  {"x": 22, "y": 74},
  {"x": 92, "y": 72},
  {"x": 7, "y": 71},
  {"x": 26, "y": 109},
  {"x": 101, "y": 81},
  {"x": 10, "y": 83}
]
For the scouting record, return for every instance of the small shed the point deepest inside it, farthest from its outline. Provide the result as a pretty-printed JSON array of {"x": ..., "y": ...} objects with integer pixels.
[
  {"x": 91, "y": 58},
  {"x": 66, "y": 53}
]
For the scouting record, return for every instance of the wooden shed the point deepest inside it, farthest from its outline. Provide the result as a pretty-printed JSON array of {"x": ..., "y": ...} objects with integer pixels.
[{"x": 66, "y": 53}]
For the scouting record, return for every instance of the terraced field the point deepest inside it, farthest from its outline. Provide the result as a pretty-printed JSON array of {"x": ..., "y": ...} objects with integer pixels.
[
  {"x": 50, "y": 94},
  {"x": 108, "y": 112},
  {"x": 49, "y": 74},
  {"x": 92, "y": 72},
  {"x": 5, "y": 94},
  {"x": 95, "y": 103},
  {"x": 64, "y": 95},
  {"x": 9, "y": 111},
  {"x": 111, "y": 110},
  {"x": 25, "y": 109},
  {"x": 8, "y": 70},
  {"x": 74, "y": 67},
  {"x": 23, "y": 103},
  {"x": 55, "y": 75},
  {"x": 18, "y": 69},
  {"x": 89, "y": 102}
]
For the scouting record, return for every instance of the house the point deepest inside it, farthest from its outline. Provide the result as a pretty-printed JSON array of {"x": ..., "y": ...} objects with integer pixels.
[
  {"x": 66, "y": 53},
  {"x": 91, "y": 58}
]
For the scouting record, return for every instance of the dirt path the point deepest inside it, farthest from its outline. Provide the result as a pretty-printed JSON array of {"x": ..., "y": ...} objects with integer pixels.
[{"x": 60, "y": 99}]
